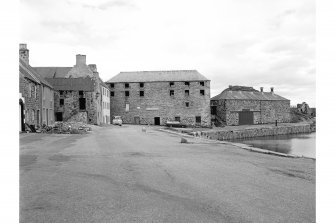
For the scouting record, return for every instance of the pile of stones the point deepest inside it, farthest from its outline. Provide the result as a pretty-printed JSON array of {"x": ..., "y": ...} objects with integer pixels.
[{"x": 66, "y": 128}]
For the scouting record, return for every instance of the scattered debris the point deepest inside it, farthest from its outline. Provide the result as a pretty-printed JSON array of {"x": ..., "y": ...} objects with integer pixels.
[
  {"x": 183, "y": 140},
  {"x": 66, "y": 128}
]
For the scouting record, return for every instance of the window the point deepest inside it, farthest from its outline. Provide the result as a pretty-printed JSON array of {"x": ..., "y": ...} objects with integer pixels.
[
  {"x": 82, "y": 103},
  {"x": 112, "y": 85},
  {"x": 61, "y": 102},
  {"x": 177, "y": 119},
  {"x": 171, "y": 84},
  {"x": 127, "y": 107},
  {"x": 202, "y": 83},
  {"x": 35, "y": 88},
  {"x": 126, "y": 85},
  {"x": 187, "y": 104},
  {"x": 187, "y": 93},
  {"x": 29, "y": 90},
  {"x": 171, "y": 92},
  {"x": 61, "y": 93},
  {"x": 141, "y": 84},
  {"x": 126, "y": 93},
  {"x": 202, "y": 92},
  {"x": 187, "y": 83},
  {"x": 112, "y": 93},
  {"x": 81, "y": 93},
  {"x": 197, "y": 119},
  {"x": 141, "y": 93}
]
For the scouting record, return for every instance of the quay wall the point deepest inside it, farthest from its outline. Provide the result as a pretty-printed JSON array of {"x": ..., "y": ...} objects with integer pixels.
[{"x": 257, "y": 132}]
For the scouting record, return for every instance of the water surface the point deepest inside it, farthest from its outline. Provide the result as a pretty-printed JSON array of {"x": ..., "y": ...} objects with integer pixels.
[{"x": 297, "y": 144}]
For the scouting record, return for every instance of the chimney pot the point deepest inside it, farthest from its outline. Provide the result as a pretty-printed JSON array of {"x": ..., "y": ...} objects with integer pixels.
[
  {"x": 261, "y": 89},
  {"x": 271, "y": 89},
  {"x": 23, "y": 46},
  {"x": 80, "y": 59}
]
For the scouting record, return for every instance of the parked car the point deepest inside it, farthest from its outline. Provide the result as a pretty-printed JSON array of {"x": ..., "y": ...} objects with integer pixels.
[
  {"x": 175, "y": 124},
  {"x": 117, "y": 120}
]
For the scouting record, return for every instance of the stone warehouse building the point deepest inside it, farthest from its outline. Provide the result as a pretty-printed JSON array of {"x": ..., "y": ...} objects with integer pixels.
[
  {"x": 154, "y": 97},
  {"x": 37, "y": 94},
  {"x": 79, "y": 92},
  {"x": 239, "y": 105}
]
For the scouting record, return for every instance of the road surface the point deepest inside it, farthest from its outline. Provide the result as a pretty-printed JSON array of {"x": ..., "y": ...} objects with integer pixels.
[{"x": 121, "y": 174}]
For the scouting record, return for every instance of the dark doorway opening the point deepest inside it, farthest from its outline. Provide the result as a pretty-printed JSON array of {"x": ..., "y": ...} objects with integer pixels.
[
  {"x": 59, "y": 116},
  {"x": 137, "y": 120},
  {"x": 213, "y": 110},
  {"x": 157, "y": 121},
  {"x": 246, "y": 118},
  {"x": 82, "y": 103},
  {"x": 22, "y": 125}
]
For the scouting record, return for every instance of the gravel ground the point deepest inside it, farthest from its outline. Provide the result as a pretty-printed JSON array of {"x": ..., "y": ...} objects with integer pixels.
[{"x": 122, "y": 174}]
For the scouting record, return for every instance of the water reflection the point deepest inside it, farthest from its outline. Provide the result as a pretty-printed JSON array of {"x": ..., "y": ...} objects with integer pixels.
[{"x": 298, "y": 144}]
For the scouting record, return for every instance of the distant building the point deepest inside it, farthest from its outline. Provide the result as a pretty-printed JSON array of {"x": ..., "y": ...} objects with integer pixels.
[
  {"x": 78, "y": 91},
  {"x": 304, "y": 108},
  {"x": 240, "y": 105},
  {"x": 36, "y": 94},
  {"x": 154, "y": 97}
]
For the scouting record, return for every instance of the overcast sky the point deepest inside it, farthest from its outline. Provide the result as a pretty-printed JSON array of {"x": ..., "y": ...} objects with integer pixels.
[{"x": 232, "y": 42}]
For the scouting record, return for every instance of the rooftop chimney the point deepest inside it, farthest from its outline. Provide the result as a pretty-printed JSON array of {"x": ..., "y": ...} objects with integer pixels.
[
  {"x": 271, "y": 89},
  {"x": 261, "y": 89},
  {"x": 24, "y": 53},
  {"x": 80, "y": 59},
  {"x": 93, "y": 67}
]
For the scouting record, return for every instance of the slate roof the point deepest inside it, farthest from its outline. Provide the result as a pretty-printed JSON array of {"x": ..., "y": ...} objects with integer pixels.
[
  {"x": 157, "y": 76},
  {"x": 53, "y": 72},
  {"x": 229, "y": 94},
  {"x": 31, "y": 74},
  {"x": 72, "y": 84}
]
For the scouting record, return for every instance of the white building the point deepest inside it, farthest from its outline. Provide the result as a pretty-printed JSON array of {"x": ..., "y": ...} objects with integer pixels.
[{"x": 105, "y": 104}]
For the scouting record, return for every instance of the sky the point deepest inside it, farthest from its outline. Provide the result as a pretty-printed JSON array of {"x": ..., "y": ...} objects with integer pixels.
[{"x": 259, "y": 43}]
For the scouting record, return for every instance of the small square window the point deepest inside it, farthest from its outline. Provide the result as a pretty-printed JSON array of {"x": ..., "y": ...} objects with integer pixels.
[
  {"x": 61, "y": 93},
  {"x": 202, "y": 92},
  {"x": 171, "y": 84},
  {"x": 112, "y": 93},
  {"x": 141, "y": 93},
  {"x": 61, "y": 102},
  {"x": 126, "y": 85},
  {"x": 112, "y": 85},
  {"x": 141, "y": 84},
  {"x": 197, "y": 119},
  {"x": 187, "y": 83},
  {"x": 81, "y": 93},
  {"x": 126, "y": 93},
  {"x": 171, "y": 92},
  {"x": 202, "y": 83},
  {"x": 177, "y": 119},
  {"x": 187, "y": 104},
  {"x": 187, "y": 93}
]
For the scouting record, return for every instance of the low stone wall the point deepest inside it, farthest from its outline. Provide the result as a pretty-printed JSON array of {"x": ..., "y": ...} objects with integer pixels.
[{"x": 256, "y": 132}]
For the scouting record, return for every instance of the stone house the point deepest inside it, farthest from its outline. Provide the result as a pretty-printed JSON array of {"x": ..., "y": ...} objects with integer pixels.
[
  {"x": 154, "y": 97},
  {"x": 239, "y": 105},
  {"x": 37, "y": 93},
  {"x": 78, "y": 91}
]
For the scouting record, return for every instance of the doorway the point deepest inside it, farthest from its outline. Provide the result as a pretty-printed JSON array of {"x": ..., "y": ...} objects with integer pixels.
[
  {"x": 157, "y": 121},
  {"x": 22, "y": 125},
  {"x": 137, "y": 120},
  {"x": 59, "y": 116},
  {"x": 246, "y": 118}
]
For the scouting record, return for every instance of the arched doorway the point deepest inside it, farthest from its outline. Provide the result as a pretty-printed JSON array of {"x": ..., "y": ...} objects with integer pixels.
[{"x": 21, "y": 112}]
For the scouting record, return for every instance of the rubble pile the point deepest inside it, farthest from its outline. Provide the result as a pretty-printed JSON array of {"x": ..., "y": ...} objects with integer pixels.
[{"x": 67, "y": 128}]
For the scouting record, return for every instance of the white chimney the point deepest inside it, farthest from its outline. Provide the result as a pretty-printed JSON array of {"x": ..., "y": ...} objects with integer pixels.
[{"x": 80, "y": 59}]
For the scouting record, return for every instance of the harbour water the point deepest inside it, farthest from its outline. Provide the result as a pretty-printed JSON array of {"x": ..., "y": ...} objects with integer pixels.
[{"x": 297, "y": 144}]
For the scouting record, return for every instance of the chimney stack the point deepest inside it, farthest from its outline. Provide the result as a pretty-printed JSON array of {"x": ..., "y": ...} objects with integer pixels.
[
  {"x": 93, "y": 67},
  {"x": 80, "y": 59},
  {"x": 271, "y": 89},
  {"x": 261, "y": 89},
  {"x": 24, "y": 53}
]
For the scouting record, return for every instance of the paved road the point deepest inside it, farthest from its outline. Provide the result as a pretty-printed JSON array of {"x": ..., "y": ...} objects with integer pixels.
[{"x": 121, "y": 174}]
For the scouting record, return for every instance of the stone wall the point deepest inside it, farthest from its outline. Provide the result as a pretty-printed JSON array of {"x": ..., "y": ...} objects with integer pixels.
[
  {"x": 263, "y": 111},
  {"x": 32, "y": 103},
  {"x": 256, "y": 132},
  {"x": 157, "y": 102},
  {"x": 71, "y": 110}
]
